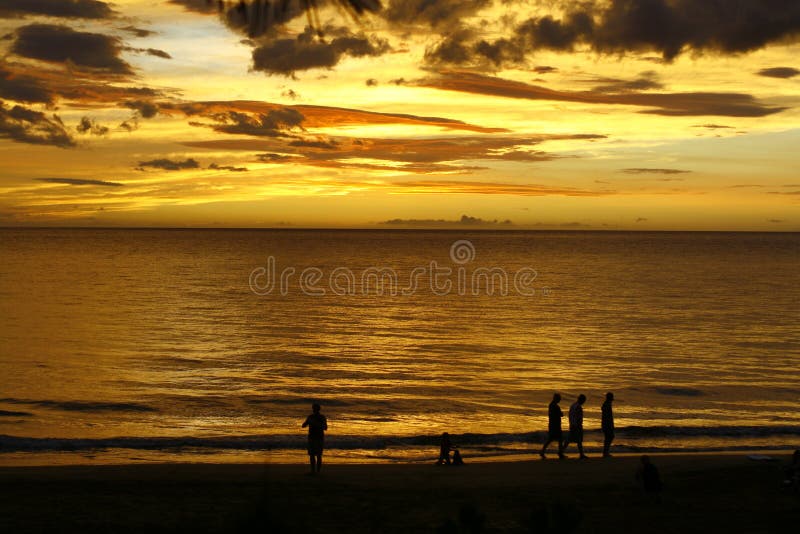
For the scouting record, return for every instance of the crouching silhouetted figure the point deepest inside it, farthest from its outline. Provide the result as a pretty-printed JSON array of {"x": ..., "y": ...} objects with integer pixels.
[
  {"x": 457, "y": 459},
  {"x": 444, "y": 450},
  {"x": 648, "y": 477}
]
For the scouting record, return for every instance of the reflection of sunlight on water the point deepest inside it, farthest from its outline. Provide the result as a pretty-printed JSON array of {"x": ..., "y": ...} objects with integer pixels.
[{"x": 165, "y": 320}]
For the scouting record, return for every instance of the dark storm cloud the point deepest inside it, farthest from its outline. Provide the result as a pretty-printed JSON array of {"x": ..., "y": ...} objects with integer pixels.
[
  {"x": 82, "y": 9},
  {"x": 170, "y": 165},
  {"x": 668, "y": 104},
  {"x": 60, "y": 44},
  {"x": 669, "y": 27},
  {"x": 158, "y": 53},
  {"x": 230, "y": 168},
  {"x": 286, "y": 56},
  {"x": 273, "y": 158},
  {"x": 25, "y": 82},
  {"x": 152, "y": 52},
  {"x": 78, "y": 181},
  {"x": 87, "y": 125},
  {"x": 28, "y": 126},
  {"x": 145, "y": 108},
  {"x": 23, "y": 88},
  {"x": 138, "y": 32},
  {"x": 324, "y": 144},
  {"x": 779, "y": 72},
  {"x": 275, "y": 123}
]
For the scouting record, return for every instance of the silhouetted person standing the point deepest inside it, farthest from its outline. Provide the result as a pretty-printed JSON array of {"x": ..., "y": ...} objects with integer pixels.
[
  {"x": 576, "y": 425},
  {"x": 444, "y": 450},
  {"x": 554, "y": 433},
  {"x": 607, "y": 424},
  {"x": 317, "y": 425}
]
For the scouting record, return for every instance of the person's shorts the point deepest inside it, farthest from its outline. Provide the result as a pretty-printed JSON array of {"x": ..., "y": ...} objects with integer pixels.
[
  {"x": 315, "y": 446},
  {"x": 576, "y": 435},
  {"x": 555, "y": 434}
]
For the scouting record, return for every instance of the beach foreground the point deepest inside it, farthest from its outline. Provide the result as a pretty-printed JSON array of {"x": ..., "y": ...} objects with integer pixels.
[{"x": 703, "y": 493}]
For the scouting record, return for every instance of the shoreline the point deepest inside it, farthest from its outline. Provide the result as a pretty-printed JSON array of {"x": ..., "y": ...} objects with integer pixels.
[{"x": 126, "y": 457}]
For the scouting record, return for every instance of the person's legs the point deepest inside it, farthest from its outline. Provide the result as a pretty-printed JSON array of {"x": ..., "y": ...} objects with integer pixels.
[
  {"x": 608, "y": 438},
  {"x": 311, "y": 461},
  {"x": 544, "y": 447},
  {"x": 580, "y": 449},
  {"x": 319, "y": 462}
]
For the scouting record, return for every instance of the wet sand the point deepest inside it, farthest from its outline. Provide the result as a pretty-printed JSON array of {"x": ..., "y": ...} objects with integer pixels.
[{"x": 702, "y": 493}]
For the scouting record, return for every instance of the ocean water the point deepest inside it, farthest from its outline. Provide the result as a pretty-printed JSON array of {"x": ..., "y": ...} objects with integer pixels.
[{"x": 173, "y": 345}]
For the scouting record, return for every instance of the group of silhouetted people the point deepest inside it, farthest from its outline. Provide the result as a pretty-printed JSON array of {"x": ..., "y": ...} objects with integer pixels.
[
  {"x": 317, "y": 425},
  {"x": 647, "y": 474},
  {"x": 575, "y": 435}
]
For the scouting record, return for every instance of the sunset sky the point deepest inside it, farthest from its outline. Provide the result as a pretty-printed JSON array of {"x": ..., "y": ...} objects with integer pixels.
[{"x": 562, "y": 114}]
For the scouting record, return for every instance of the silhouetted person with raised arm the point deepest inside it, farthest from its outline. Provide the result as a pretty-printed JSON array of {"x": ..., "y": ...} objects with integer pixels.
[
  {"x": 554, "y": 433},
  {"x": 444, "y": 450},
  {"x": 317, "y": 425},
  {"x": 607, "y": 424},
  {"x": 576, "y": 425}
]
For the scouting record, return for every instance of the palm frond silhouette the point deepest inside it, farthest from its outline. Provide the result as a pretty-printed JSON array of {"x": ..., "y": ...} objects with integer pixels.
[{"x": 257, "y": 17}]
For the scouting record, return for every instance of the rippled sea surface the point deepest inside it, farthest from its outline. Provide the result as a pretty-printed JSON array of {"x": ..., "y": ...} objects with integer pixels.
[{"x": 151, "y": 344}]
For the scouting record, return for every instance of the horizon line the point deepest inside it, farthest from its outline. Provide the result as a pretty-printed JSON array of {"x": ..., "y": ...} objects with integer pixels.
[{"x": 396, "y": 229}]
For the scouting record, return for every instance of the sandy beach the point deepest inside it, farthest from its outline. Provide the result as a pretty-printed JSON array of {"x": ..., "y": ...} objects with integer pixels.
[{"x": 702, "y": 493}]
